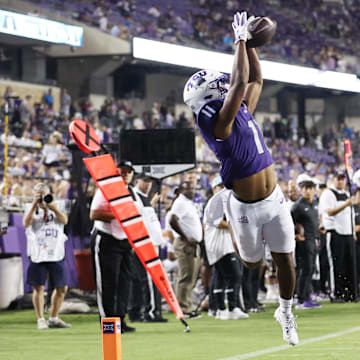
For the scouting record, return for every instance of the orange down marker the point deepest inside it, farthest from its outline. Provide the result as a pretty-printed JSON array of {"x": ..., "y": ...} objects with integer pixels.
[{"x": 111, "y": 338}]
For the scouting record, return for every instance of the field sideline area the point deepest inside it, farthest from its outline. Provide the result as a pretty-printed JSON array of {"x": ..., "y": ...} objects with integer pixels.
[{"x": 330, "y": 333}]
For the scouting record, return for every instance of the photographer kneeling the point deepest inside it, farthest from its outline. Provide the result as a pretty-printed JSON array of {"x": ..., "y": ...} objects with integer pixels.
[{"x": 44, "y": 223}]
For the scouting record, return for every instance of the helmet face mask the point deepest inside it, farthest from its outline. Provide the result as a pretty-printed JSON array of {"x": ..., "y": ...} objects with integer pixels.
[{"x": 204, "y": 86}]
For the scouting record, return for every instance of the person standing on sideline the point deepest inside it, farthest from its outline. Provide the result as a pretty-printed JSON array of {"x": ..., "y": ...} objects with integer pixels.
[
  {"x": 305, "y": 213},
  {"x": 335, "y": 207},
  {"x": 111, "y": 252},
  {"x": 256, "y": 207},
  {"x": 185, "y": 221},
  {"x": 144, "y": 295},
  {"x": 220, "y": 252},
  {"x": 44, "y": 222}
]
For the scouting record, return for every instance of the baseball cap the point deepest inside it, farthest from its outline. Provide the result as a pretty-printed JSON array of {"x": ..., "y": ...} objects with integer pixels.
[
  {"x": 340, "y": 173},
  {"x": 305, "y": 178},
  {"x": 125, "y": 163},
  {"x": 143, "y": 176},
  {"x": 216, "y": 181}
]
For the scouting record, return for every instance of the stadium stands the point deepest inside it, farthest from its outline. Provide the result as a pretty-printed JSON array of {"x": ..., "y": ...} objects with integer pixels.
[{"x": 313, "y": 33}]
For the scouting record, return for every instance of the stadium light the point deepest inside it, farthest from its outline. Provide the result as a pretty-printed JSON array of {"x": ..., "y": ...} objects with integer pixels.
[
  {"x": 152, "y": 50},
  {"x": 37, "y": 28}
]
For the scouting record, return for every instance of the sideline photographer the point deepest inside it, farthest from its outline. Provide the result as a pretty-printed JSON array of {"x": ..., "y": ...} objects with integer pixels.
[{"x": 44, "y": 223}]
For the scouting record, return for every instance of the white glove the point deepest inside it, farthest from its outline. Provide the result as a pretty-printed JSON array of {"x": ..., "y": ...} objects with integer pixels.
[{"x": 240, "y": 26}]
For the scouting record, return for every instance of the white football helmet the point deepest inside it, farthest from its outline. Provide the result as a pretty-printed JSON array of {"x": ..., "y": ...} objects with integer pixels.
[{"x": 203, "y": 86}]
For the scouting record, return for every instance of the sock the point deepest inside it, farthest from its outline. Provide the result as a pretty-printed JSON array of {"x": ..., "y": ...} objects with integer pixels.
[
  {"x": 40, "y": 319},
  {"x": 56, "y": 318},
  {"x": 285, "y": 305}
]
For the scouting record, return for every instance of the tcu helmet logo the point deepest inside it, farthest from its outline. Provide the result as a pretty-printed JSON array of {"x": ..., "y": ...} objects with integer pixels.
[{"x": 197, "y": 76}]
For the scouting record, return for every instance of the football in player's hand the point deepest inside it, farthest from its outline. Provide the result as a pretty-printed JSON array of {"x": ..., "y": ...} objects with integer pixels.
[{"x": 261, "y": 30}]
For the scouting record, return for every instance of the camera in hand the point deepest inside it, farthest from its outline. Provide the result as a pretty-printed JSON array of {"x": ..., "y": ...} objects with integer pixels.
[{"x": 48, "y": 198}]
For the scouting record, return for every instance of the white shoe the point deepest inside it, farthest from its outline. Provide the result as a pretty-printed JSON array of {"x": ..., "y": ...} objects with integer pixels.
[
  {"x": 222, "y": 315},
  {"x": 42, "y": 324},
  {"x": 211, "y": 313},
  {"x": 58, "y": 324},
  {"x": 289, "y": 326},
  {"x": 237, "y": 314}
]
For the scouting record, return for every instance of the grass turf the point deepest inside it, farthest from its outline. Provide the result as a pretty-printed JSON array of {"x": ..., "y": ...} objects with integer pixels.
[{"x": 209, "y": 339}]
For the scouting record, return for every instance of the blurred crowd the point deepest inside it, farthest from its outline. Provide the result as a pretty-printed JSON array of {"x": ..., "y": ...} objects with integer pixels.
[
  {"x": 312, "y": 32},
  {"x": 38, "y": 139}
]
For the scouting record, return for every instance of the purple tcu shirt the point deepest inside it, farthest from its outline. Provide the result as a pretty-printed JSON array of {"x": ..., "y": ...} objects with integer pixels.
[{"x": 244, "y": 152}]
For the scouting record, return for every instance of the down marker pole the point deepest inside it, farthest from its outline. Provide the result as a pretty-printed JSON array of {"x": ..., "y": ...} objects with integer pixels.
[{"x": 111, "y": 338}]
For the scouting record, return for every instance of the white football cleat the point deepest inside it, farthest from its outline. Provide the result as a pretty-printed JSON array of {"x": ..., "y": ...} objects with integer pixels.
[
  {"x": 237, "y": 314},
  {"x": 222, "y": 315},
  {"x": 289, "y": 326}
]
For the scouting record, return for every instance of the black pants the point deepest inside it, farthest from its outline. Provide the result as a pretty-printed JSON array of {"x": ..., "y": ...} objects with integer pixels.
[
  {"x": 340, "y": 252},
  {"x": 250, "y": 287},
  {"x": 111, "y": 263},
  {"x": 144, "y": 295},
  {"x": 227, "y": 279},
  {"x": 305, "y": 255},
  {"x": 324, "y": 265}
]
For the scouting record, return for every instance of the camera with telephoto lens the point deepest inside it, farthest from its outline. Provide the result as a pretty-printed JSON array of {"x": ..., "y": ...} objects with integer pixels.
[{"x": 48, "y": 198}]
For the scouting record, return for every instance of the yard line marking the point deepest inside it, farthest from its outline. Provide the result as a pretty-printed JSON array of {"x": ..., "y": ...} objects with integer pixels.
[{"x": 285, "y": 347}]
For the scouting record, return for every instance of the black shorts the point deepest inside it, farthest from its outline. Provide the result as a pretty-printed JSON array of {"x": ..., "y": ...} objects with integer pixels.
[{"x": 37, "y": 273}]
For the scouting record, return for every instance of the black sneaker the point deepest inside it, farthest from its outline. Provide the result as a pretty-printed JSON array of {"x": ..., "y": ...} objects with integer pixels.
[
  {"x": 158, "y": 319},
  {"x": 337, "y": 300},
  {"x": 192, "y": 315},
  {"x": 125, "y": 328},
  {"x": 139, "y": 318}
]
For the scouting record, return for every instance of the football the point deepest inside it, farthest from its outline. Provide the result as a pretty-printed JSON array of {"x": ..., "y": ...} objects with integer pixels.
[{"x": 261, "y": 30}]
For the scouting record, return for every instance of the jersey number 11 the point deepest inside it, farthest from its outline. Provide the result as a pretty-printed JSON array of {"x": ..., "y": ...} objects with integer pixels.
[{"x": 257, "y": 140}]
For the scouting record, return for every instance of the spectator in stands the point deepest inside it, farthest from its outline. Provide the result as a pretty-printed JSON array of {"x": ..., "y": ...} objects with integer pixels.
[
  {"x": 44, "y": 221},
  {"x": 185, "y": 221},
  {"x": 103, "y": 23},
  {"x": 65, "y": 103},
  {"x": 126, "y": 7},
  {"x": 154, "y": 11},
  {"x": 26, "y": 111},
  {"x": 48, "y": 99},
  {"x": 115, "y": 30},
  {"x": 52, "y": 153}
]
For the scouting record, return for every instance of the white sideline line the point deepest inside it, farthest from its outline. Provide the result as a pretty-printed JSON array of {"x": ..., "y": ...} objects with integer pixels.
[{"x": 285, "y": 347}]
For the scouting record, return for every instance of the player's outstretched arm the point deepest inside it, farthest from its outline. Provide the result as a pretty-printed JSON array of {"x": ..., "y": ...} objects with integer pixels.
[
  {"x": 254, "y": 87},
  {"x": 238, "y": 80}
]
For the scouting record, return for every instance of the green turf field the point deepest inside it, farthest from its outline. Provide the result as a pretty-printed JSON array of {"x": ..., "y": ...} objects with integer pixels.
[{"x": 330, "y": 333}]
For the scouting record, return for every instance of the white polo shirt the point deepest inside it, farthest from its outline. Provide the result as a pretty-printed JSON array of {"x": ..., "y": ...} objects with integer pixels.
[
  {"x": 113, "y": 227},
  {"x": 341, "y": 222},
  {"x": 327, "y": 201},
  {"x": 189, "y": 218},
  {"x": 218, "y": 242}
]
